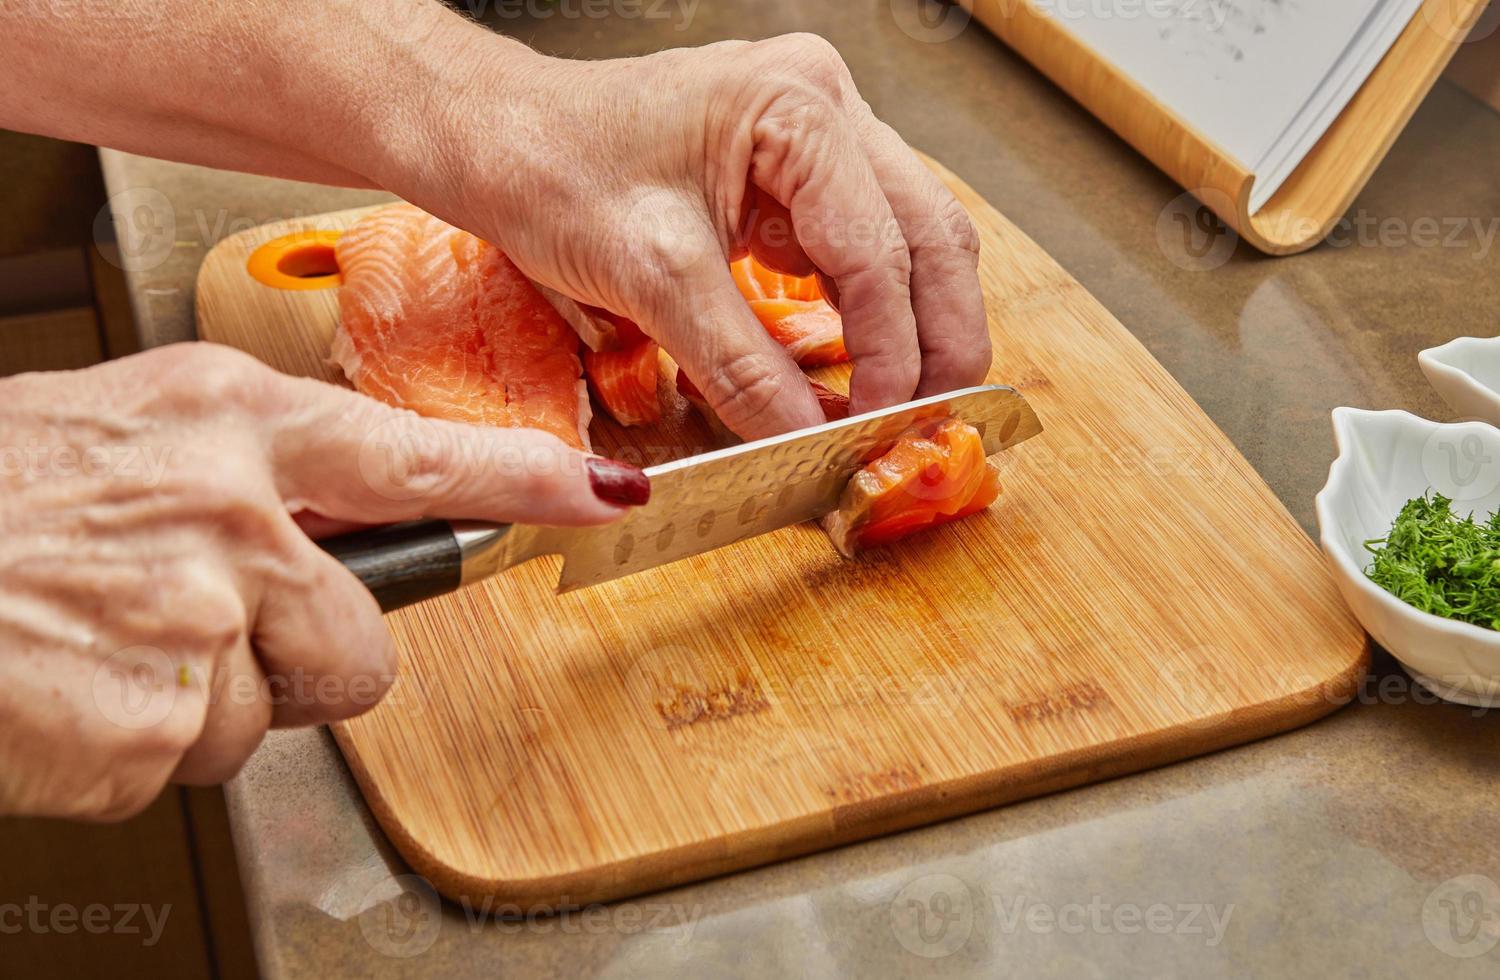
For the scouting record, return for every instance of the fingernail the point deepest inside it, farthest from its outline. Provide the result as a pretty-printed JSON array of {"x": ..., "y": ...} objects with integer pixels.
[{"x": 618, "y": 483}]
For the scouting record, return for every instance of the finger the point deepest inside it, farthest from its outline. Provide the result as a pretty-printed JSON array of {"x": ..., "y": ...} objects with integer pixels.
[
  {"x": 350, "y": 458},
  {"x": 319, "y": 638},
  {"x": 945, "y": 293},
  {"x": 235, "y": 723},
  {"x": 771, "y": 237},
  {"x": 212, "y": 612},
  {"x": 314, "y": 650},
  {"x": 807, "y": 156},
  {"x": 749, "y": 380},
  {"x": 318, "y": 527}
]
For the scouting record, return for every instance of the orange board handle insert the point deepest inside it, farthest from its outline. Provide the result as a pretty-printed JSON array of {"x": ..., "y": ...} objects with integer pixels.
[{"x": 301, "y": 260}]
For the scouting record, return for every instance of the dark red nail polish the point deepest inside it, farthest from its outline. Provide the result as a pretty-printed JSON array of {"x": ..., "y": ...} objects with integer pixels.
[{"x": 618, "y": 483}]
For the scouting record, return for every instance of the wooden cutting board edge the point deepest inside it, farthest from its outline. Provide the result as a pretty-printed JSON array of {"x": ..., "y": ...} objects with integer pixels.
[
  {"x": 927, "y": 804},
  {"x": 842, "y": 824}
]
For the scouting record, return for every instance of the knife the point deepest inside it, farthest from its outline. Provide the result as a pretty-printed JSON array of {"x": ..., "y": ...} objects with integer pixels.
[{"x": 697, "y": 504}]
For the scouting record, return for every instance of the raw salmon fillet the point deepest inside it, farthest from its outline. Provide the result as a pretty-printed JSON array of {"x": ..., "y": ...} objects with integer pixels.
[
  {"x": 834, "y": 405},
  {"x": 435, "y": 320},
  {"x": 794, "y": 311},
  {"x": 936, "y": 472},
  {"x": 624, "y": 381},
  {"x": 621, "y": 363}
]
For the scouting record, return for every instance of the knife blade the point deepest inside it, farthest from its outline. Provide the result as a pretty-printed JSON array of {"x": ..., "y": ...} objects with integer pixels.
[{"x": 698, "y": 504}]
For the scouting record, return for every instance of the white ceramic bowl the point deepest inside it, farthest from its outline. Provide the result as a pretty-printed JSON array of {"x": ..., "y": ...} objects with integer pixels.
[
  {"x": 1466, "y": 372},
  {"x": 1384, "y": 459}
]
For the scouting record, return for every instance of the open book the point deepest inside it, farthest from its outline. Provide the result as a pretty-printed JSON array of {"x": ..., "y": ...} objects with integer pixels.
[{"x": 1264, "y": 79}]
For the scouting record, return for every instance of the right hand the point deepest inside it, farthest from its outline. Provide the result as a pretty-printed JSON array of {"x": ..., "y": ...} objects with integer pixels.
[
  {"x": 629, "y": 184},
  {"x": 161, "y": 605}
]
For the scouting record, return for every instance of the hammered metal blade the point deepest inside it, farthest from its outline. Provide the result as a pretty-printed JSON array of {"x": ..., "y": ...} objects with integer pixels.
[{"x": 705, "y": 502}]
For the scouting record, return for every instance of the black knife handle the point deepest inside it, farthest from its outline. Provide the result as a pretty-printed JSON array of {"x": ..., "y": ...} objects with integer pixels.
[{"x": 402, "y": 563}]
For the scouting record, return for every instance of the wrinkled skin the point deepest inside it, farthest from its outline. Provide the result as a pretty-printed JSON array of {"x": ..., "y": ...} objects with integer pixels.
[
  {"x": 133, "y": 603},
  {"x": 161, "y": 603},
  {"x": 794, "y": 167}
]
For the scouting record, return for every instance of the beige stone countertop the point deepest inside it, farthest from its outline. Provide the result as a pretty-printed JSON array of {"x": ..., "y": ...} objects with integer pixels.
[{"x": 1328, "y": 852}]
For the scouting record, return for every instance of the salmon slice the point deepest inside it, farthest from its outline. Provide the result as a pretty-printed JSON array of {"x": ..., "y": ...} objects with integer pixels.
[
  {"x": 794, "y": 311},
  {"x": 813, "y": 333},
  {"x": 834, "y": 405},
  {"x": 624, "y": 381},
  {"x": 623, "y": 374},
  {"x": 435, "y": 320},
  {"x": 620, "y": 361},
  {"x": 758, "y": 282},
  {"x": 936, "y": 472}
]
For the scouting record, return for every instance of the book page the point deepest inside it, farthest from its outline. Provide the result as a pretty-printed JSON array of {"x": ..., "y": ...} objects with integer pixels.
[
  {"x": 1261, "y": 78},
  {"x": 1343, "y": 83}
]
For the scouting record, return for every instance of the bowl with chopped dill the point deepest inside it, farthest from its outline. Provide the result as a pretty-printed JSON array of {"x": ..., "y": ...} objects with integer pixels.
[{"x": 1410, "y": 522}]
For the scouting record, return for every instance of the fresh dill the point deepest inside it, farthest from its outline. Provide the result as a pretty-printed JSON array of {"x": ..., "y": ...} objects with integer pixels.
[{"x": 1441, "y": 563}]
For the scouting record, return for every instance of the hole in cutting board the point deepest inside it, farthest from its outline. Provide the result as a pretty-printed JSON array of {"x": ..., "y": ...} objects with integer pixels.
[
  {"x": 309, "y": 262},
  {"x": 302, "y": 260}
]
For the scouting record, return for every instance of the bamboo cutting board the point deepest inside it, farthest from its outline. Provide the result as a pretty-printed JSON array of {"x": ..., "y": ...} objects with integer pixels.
[{"x": 1136, "y": 596}]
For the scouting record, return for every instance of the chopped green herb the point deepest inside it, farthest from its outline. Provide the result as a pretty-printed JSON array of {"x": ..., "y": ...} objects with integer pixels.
[{"x": 1441, "y": 563}]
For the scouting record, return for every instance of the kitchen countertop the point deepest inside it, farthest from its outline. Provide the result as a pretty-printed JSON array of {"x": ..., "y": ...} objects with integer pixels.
[{"x": 1346, "y": 848}]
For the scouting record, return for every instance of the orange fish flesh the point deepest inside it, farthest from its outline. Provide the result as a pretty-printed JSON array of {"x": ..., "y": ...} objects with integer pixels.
[
  {"x": 435, "y": 320},
  {"x": 438, "y": 321},
  {"x": 624, "y": 382},
  {"x": 936, "y": 472},
  {"x": 794, "y": 311}
]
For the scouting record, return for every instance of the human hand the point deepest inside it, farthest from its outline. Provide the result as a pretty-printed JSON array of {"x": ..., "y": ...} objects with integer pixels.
[
  {"x": 160, "y": 602},
  {"x": 629, "y": 184},
  {"x": 624, "y": 184}
]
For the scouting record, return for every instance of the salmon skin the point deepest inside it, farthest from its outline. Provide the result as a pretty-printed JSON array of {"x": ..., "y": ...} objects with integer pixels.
[{"x": 438, "y": 321}]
